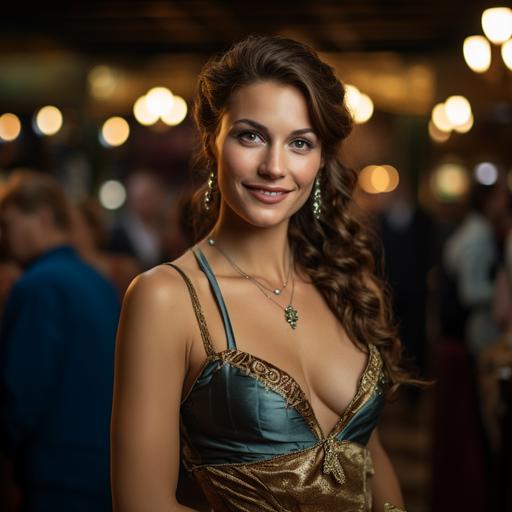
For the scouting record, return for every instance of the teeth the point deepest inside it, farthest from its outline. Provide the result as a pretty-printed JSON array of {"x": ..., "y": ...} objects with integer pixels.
[{"x": 268, "y": 193}]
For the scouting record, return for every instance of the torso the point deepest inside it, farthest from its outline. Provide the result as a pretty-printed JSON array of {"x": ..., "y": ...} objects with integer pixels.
[{"x": 318, "y": 354}]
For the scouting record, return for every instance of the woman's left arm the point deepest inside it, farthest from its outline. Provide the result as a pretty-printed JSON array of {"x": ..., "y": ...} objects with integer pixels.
[{"x": 386, "y": 488}]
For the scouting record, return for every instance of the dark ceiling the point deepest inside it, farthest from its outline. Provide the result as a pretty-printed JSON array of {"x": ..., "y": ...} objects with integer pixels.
[{"x": 199, "y": 26}]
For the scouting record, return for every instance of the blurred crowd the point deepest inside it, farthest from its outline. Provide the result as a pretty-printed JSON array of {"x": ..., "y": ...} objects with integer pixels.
[
  {"x": 451, "y": 275},
  {"x": 64, "y": 268},
  {"x": 65, "y": 265}
]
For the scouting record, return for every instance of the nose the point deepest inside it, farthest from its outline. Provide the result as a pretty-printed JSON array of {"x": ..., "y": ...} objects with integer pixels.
[{"x": 273, "y": 164}]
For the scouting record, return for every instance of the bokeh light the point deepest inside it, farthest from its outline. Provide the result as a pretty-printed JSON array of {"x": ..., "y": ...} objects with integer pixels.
[
  {"x": 177, "y": 112},
  {"x": 364, "y": 110},
  {"x": 48, "y": 120},
  {"x": 115, "y": 131},
  {"x": 440, "y": 118},
  {"x": 458, "y": 110},
  {"x": 376, "y": 179},
  {"x": 359, "y": 105},
  {"x": 449, "y": 182},
  {"x": 506, "y": 54},
  {"x": 352, "y": 96},
  {"x": 436, "y": 134},
  {"x": 486, "y": 173},
  {"x": 497, "y": 24},
  {"x": 477, "y": 53},
  {"x": 103, "y": 81},
  {"x": 159, "y": 101},
  {"x": 10, "y": 127},
  {"x": 142, "y": 114},
  {"x": 464, "y": 128},
  {"x": 112, "y": 194}
]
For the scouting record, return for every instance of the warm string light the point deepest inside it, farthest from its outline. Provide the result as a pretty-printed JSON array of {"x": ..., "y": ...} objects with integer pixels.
[
  {"x": 10, "y": 127},
  {"x": 378, "y": 179},
  {"x": 454, "y": 114},
  {"x": 449, "y": 182},
  {"x": 497, "y": 24},
  {"x": 48, "y": 121},
  {"x": 477, "y": 53},
  {"x": 160, "y": 103},
  {"x": 497, "y": 27},
  {"x": 359, "y": 104},
  {"x": 114, "y": 132}
]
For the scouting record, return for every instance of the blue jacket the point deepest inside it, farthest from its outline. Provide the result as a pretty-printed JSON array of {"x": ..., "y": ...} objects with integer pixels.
[{"x": 56, "y": 377}]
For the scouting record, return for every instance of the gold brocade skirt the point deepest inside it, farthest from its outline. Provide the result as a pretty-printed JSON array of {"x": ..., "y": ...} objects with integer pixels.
[{"x": 294, "y": 482}]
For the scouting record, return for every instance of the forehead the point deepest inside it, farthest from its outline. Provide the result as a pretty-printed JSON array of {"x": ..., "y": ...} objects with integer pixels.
[{"x": 272, "y": 104}]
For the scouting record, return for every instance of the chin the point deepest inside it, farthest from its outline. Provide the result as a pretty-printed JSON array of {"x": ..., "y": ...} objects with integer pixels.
[{"x": 264, "y": 218}]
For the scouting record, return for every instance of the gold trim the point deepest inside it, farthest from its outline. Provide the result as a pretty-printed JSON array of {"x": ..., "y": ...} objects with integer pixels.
[{"x": 205, "y": 333}]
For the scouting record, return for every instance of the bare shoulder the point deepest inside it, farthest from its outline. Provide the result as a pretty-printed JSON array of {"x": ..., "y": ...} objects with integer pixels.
[
  {"x": 160, "y": 286},
  {"x": 156, "y": 308}
]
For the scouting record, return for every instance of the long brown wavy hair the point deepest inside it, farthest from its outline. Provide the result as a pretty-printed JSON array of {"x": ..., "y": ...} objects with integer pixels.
[{"x": 336, "y": 252}]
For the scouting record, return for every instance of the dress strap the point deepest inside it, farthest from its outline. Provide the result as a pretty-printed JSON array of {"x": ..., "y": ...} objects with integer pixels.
[
  {"x": 205, "y": 333},
  {"x": 205, "y": 267}
]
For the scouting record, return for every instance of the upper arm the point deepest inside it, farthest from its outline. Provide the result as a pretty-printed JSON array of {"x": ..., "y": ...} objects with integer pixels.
[{"x": 150, "y": 366}]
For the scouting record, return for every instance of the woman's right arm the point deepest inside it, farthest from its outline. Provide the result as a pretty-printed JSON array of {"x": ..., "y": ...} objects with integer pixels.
[{"x": 151, "y": 359}]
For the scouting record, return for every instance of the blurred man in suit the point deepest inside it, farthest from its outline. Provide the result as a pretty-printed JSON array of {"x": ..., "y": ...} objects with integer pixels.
[{"x": 56, "y": 355}]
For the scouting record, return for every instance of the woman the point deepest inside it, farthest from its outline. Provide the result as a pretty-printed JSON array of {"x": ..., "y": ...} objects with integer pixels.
[{"x": 282, "y": 416}]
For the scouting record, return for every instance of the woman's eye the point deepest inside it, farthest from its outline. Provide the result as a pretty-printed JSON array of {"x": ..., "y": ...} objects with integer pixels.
[
  {"x": 302, "y": 144},
  {"x": 248, "y": 136}
]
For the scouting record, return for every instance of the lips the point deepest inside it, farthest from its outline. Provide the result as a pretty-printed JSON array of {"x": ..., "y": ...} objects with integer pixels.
[
  {"x": 267, "y": 195},
  {"x": 266, "y": 188}
]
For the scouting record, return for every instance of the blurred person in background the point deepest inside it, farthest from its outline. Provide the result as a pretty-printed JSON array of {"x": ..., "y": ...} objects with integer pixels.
[
  {"x": 495, "y": 370},
  {"x": 462, "y": 435},
  {"x": 9, "y": 273},
  {"x": 140, "y": 228},
  {"x": 407, "y": 234},
  {"x": 89, "y": 239},
  {"x": 472, "y": 255},
  {"x": 56, "y": 355}
]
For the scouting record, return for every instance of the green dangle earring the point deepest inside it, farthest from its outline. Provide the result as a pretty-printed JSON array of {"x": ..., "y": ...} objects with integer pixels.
[{"x": 317, "y": 198}]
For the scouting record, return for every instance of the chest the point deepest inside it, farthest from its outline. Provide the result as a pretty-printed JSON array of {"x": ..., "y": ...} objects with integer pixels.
[{"x": 317, "y": 354}]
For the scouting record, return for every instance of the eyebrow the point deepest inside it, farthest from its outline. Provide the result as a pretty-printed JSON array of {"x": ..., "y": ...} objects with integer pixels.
[{"x": 265, "y": 129}]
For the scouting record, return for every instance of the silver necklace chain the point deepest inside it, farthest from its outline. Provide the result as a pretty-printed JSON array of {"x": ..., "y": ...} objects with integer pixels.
[
  {"x": 275, "y": 291},
  {"x": 290, "y": 313}
]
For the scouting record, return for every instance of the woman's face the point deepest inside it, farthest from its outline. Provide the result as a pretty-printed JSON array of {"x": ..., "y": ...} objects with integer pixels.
[{"x": 268, "y": 154}]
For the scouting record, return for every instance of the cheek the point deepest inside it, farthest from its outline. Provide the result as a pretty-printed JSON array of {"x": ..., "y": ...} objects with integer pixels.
[
  {"x": 237, "y": 160},
  {"x": 16, "y": 236},
  {"x": 305, "y": 171}
]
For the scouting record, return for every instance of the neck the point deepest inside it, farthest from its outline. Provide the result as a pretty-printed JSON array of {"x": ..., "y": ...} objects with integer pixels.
[
  {"x": 51, "y": 241},
  {"x": 258, "y": 251}
]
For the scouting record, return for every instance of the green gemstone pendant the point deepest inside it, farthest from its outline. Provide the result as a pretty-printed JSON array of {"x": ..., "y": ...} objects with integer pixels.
[{"x": 291, "y": 315}]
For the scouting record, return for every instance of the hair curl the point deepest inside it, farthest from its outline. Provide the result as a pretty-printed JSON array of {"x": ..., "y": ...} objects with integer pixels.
[{"x": 336, "y": 253}]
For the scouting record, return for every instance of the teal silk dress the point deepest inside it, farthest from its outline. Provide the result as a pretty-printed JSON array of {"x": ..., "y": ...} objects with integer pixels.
[{"x": 251, "y": 439}]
